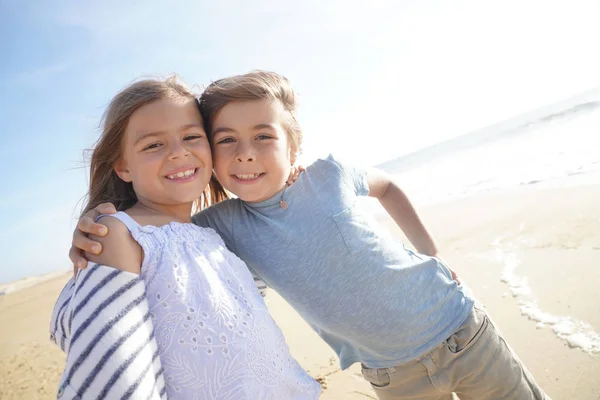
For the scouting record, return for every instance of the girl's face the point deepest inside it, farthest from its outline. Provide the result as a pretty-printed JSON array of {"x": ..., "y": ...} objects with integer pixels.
[
  {"x": 251, "y": 149},
  {"x": 165, "y": 153}
]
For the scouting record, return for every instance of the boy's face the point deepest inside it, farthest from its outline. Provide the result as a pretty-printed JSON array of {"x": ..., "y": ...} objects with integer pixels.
[{"x": 251, "y": 149}]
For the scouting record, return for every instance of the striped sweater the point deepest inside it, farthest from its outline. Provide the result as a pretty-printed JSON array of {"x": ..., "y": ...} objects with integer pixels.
[
  {"x": 102, "y": 321},
  {"x": 93, "y": 371}
]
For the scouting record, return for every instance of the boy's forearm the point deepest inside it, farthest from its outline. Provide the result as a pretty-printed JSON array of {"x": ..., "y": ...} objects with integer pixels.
[{"x": 399, "y": 207}]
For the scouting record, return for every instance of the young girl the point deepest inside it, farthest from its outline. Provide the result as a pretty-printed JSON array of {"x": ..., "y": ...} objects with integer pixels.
[
  {"x": 193, "y": 319},
  {"x": 401, "y": 314}
]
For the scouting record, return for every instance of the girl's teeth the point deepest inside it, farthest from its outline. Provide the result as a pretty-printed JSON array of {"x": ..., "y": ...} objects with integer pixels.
[{"x": 182, "y": 174}]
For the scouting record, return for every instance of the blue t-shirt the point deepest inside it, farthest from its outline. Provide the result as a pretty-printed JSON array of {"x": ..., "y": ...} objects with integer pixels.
[{"x": 371, "y": 299}]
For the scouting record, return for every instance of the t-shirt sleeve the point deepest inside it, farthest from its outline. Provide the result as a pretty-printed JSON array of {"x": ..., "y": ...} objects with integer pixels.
[
  {"x": 220, "y": 218},
  {"x": 355, "y": 175}
]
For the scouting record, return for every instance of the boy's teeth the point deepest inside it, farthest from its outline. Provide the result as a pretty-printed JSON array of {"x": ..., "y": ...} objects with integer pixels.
[
  {"x": 247, "y": 176},
  {"x": 181, "y": 174}
]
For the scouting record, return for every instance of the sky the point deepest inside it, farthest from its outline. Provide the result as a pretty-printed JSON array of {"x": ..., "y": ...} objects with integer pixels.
[{"x": 376, "y": 79}]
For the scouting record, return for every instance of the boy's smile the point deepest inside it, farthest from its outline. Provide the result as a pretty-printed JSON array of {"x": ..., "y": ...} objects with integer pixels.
[
  {"x": 251, "y": 149},
  {"x": 247, "y": 178}
]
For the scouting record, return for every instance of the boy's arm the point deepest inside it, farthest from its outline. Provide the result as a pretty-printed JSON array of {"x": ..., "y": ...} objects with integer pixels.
[
  {"x": 85, "y": 236},
  {"x": 120, "y": 250},
  {"x": 383, "y": 187},
  {"x": 81, "y": 243}
]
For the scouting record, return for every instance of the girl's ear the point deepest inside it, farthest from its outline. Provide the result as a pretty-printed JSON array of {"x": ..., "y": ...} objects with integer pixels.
[{"x": 122, "y": 171}]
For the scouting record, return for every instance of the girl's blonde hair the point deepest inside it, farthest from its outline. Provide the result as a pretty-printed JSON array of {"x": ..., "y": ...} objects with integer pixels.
[
  {"x": 105, "y": 185},
  {"x": 255, "y": 85}
]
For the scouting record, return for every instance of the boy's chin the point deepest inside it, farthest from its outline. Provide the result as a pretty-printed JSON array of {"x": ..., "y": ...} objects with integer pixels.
[{"x": 254, "y": 198}]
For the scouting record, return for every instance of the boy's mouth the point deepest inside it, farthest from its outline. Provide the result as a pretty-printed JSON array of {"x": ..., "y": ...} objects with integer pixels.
[{"x": 248, "y": 177}]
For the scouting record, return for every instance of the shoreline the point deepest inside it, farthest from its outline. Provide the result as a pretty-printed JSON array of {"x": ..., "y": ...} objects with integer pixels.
[{"x": 30, "y": 281}]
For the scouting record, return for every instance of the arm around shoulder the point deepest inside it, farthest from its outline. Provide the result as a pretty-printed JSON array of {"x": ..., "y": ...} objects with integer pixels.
[{"x": 120, "y": 250}]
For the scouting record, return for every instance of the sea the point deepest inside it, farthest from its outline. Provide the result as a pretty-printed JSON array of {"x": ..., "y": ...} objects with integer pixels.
[{"x": 555, "y": 145}]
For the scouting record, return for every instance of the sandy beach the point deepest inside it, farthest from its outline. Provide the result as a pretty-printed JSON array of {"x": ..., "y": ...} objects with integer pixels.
[{"x": 531, "y": 256}]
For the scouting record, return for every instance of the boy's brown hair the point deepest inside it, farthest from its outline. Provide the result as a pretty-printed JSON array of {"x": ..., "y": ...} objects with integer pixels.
[{"x": 255, "y": 85}]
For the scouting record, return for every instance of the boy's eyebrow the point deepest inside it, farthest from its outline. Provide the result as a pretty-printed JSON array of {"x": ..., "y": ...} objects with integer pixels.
[
  {"x": 255, "y": 127},
  {"x": 158, "y": 133},
  {"x": 263, "y": 126},
  {"x": 222, "y": 129}
]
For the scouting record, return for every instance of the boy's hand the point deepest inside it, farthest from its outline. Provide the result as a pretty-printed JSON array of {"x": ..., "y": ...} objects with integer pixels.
[
  {"x": 81, "y": 242},
  {"x": 454, "y": 276},
  {"x": 294, "y": 174}
]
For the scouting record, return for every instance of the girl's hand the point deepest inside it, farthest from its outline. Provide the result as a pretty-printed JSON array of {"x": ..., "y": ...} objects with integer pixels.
[
  {"x": 294, "y": 174},
  {"x": 81, "y": 242}
]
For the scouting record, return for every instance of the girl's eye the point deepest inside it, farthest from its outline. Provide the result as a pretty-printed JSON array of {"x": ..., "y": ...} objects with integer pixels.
[
  {"x": 152, "y": 146},
  {"x": 226, "y": 140},
  {"x": 264, "y": 136}
]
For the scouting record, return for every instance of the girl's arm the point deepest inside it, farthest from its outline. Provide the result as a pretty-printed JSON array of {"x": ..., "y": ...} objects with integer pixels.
[{"x": 102, "y": 322}]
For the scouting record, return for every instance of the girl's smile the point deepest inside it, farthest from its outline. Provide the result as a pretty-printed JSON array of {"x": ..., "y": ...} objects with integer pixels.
[{"x": 182, "y": 175}]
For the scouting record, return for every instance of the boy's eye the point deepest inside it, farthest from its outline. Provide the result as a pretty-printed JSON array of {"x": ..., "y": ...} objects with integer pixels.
[
  {"x": 192, "y": 137},
  {"x": 226, "y": 140}
]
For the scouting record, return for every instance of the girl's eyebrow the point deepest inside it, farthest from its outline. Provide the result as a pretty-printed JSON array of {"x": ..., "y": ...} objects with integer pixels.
[
  {"x": 158, "y": 133},
  {"x": 145, "y": 136}
]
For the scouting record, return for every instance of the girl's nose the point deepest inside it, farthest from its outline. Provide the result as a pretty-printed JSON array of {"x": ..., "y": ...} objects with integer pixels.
[{"x": 178, "y": 150}]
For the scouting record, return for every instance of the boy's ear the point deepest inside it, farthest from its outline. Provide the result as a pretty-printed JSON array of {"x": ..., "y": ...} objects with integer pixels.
[{"x": 122, "y": 171}]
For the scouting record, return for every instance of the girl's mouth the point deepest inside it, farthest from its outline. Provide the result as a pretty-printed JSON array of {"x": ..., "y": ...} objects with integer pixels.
[{"x": 183, "y": 175}]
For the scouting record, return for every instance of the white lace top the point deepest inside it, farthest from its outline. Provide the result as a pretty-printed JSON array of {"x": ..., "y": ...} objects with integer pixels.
[{"x": 215, "y": 336}]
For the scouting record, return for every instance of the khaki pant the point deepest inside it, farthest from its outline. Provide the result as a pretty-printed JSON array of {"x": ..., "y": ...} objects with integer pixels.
[{"x": 475, "y": 363}]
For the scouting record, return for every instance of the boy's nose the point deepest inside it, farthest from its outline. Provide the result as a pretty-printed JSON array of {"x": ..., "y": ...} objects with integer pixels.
[{"x": 245, "y": 158}]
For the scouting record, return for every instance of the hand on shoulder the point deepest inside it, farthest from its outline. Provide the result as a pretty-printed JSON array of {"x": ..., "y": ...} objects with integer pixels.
[{"x": 119, "y": 248}]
